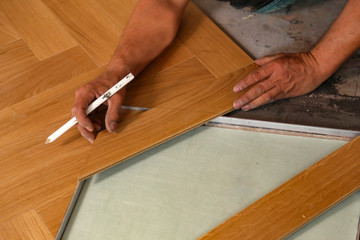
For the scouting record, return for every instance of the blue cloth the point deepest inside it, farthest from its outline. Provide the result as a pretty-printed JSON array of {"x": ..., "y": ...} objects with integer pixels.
[{"x": 275, "y": 5}]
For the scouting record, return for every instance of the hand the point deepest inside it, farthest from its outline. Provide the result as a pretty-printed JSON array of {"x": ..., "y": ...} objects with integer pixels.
[
  {"x": 279, "y": 76},
  {"x": 105, "y": 116}
]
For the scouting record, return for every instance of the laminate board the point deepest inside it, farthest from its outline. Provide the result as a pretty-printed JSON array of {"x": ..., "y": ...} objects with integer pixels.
[
  {"x": 38, "y": 26},
  {"x": 25, "y": 226},
  {"x": 187, "y": 85},
  {"x": 111, "y": 9},
  {"x": 189, "y": 75},
  {"x": 212, "y": 47},
  {"x": 15, "y": 57},
  {"x": 54, "y": 211},
  {"x": 7, "y": 28},
  {"x": 299, "y": 200},
  {"x": 37, "y": 77},
  {"x": 85, "y": 21},
  {"x": 5, "y": 38},
  {"x": 175, "y": 54}
]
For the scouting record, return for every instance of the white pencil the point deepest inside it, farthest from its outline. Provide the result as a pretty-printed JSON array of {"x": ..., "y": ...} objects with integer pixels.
[{"x": 91, "y": 107}]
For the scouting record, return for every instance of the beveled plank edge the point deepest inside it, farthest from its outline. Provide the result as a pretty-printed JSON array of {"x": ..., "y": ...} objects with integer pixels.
[{"x": 82, "y": 178}]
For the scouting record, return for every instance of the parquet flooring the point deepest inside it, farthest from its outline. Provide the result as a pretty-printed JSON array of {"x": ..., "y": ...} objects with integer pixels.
[{"x": 50, "y": 48}]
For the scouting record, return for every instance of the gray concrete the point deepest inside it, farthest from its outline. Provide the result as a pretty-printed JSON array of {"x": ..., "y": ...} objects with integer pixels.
[{"x": 298, "y": 28}]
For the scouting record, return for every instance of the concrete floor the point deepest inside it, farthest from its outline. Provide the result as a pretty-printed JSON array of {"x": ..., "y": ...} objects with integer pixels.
[{"x": 334, "y": 104}]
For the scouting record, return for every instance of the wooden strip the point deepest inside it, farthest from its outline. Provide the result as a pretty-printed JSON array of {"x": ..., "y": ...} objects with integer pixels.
[
  {"x": 7, "y": 27},
  {"x": 297, "y": 201},
  {"x": 111, "y": 9},
  {"x": 152, "y": 89},
  {"x": 15, "y": 58},
  {"x": 174, "y": 54},
  {"x": 35, "y": 78},
  {"x": 37, "y": 25},
  {"x": 26, "y": 226},
  {"x": 89, "y": 26},
  {"x": 219, "y": 54},
  {"x": 53, "y": 212}
]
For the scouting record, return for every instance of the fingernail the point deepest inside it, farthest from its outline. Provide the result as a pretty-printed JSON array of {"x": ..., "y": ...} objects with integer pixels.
[
  {"x": 245, "y": 108},
  {"x": 113, "y": 126},
  {"x": 237, "y": 89},
  {"x": 90, "y": 128},
  {"x": 237, "y": 104}
]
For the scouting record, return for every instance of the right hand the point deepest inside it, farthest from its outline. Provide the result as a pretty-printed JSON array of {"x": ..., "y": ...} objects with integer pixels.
[{"x": 105, "y": 116}]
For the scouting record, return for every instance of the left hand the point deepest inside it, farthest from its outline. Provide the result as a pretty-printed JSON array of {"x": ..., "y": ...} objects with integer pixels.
[{"x": 279, "y": 76}]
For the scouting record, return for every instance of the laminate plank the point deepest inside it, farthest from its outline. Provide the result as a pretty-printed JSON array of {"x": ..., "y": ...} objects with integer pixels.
[
  {"x": 37, "y": 77},
  {"x": 15, "y": 57},
  {"x": 54, "y": 211},
  {"x": 89, "y": 26},
  {"x": 219, "y": 54},
  {"x": 37, "y": 25},
  {"x": 111, "y": 8},
  {"x": 7, "y": 27},
  {"x": 153, "y": 89},
  {"x": 26, "y": 226},
  {"x": 7, "y": 32},
  {"x": 175, "y": 54},
  {"x": 297, "y": 201}
]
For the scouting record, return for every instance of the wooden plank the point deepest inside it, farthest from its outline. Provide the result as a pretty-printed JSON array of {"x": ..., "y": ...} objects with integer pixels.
[
  {"x": 25, "y": 226},
  {"x": 153, "y": 89},
  {"x": 174, "y": 54},
  {"x": 8, "y": 33},
  {"x": 214, "y": 49},
  {"x": 14, "y": 58},
  {"x": 89, "y": 26},
  {"x": 297, "y": 201},
  {"x": 40, "y": 29},
  {"x": 53, "y": 212},
  {"x": 35, "y": 78}
]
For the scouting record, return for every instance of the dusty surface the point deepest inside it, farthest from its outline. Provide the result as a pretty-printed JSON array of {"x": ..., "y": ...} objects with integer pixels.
[{"x": 334, "y": 104}]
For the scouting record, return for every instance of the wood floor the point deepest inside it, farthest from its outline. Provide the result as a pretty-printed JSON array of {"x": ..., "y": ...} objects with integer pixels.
[{"x": 50, "y": 48}]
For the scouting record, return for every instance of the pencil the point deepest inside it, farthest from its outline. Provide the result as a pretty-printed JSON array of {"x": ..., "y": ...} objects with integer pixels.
[{"x": 72, "y": 122}]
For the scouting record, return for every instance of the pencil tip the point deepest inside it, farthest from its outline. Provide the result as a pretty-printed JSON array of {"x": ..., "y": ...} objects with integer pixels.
[{"x": 47, "y": 141}]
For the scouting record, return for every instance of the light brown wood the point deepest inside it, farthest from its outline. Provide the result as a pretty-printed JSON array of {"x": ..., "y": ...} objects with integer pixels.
[
  {"x": 38, "y": 26},
  {"x": 37, "y": 77},
  {"x": 89, "y": 26},
  {"x": 25, "y": 226},
  {"x": 50, "y": 48},
  {"x": 15, "y": 57},
  {"x": 297, "y": 201}
]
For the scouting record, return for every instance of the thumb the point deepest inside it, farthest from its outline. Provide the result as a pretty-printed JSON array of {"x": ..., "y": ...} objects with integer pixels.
[
  {"x": 112, "y": 117},
  {"x": 262, "y": 61}
]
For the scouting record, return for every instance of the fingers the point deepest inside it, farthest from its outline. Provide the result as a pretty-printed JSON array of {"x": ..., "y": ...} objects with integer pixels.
[
  {"x": 114, "y": 108},
  {"x": 257, "y": 76},
  {"x": 262, "y": 61},
  {"x": 83, "y": 98},
  {"x": 267, "y": 97},
  {"x": 256, "y": 91}
]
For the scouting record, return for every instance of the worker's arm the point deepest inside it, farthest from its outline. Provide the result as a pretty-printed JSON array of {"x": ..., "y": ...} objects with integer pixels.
[
  {"x": 290, "y": 75},
  {"x": 150, "y": 29}
]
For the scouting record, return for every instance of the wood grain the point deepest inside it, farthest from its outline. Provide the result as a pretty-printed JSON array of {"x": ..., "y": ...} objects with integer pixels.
[
  {"x": 297, "y": 201},
  {"x": 50, "y": 48},
  {"x": 38, "y": 26},
  {"x": 43, "y": 75},
  {"x": 89, "y": 26},
  {"x": 15, "y": 57},
  {"x": 25, "y": 226},
  {"x": 204, "y": 39}
]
